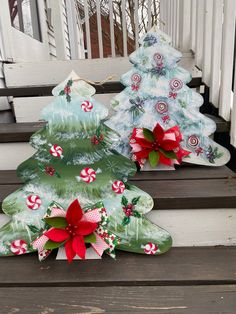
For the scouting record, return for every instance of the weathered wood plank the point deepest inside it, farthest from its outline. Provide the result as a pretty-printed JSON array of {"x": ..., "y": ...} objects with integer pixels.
[
  {"x": 217, "y": 193},
  {"x": 21, "y": 132},
  {"x": 46, "y": 73},
  {"x": 177, "y": 194},
  {"x": 18, "y": 132},
  {"x": 111, "y": 87},
  {"x": 141, "y": 299},
  {"x": 182, "y": 173},
  {"x": 180, "y": 266}
]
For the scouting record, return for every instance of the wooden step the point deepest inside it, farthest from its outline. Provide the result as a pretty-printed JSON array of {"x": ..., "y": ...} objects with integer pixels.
[
  {"x": 21, "y": 132},
  {"x": 185, "y": 280},
  {"x": 180, "y": 266},
  {"x": 189, "y": 187}
]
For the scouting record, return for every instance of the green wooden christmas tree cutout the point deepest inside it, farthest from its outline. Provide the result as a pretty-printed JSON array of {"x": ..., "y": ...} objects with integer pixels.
[{"x": 74, "y": 158}]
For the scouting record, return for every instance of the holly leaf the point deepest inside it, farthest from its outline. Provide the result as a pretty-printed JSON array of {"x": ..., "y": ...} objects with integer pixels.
[
  {"x": 126, "y": 221},
  {"x": 70, "y": 82},
  {"x": 136, "y": 214},
  {"x": 135, "y": 200},
  {"x": 153, "y": 158},
  {"x": 68, "y": 98},
  {"x": 58, "y": 175},
  {"x": 149, "y": 136},
  {"x": 61, "y": 93},
  {"x": 91, "y": 238},
  {"x": 132, "y": 101},
  {"x": 50, "y": 245},
  {"x": 33, "y": 229},
  {"x": 124, "y": 201},
  {"x": 41, "y": 167},
  {"x": 56, "y": 222},
  {"x": 168, "y": 154}
]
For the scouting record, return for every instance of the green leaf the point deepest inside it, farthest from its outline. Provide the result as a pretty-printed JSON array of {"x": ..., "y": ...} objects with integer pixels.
[
  {"x": 149, "y": 136},
  {"x": 136, "y": 214},
  {"x": 50, "y": 245},
  {"x": 68, "y": 98},
  {"x": 153, "y": 158},
  {"x": 168, "y": 154},
  {"x": 70, "y": 82},
  {"x": 57, "y": 174},
  {"x": 41, "y": 167},
  {"x": 135, "y": 200},
  {"x": 126, "y": 221},
  {"x": 124, "y": 201},
  {"x": 61, "y": 93},
  {"x": 34, "y": 229},
  {"x": 91, "y": 238},
  {"x": 56, "y": 222}
]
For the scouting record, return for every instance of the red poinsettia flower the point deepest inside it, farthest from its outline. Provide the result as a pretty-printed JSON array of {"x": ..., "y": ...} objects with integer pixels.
[
  {"x": 159, "y": 146},
  {"x": 72, "y": 232}
]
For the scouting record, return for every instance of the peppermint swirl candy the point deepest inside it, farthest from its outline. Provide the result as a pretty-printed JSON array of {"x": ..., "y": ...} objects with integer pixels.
[
  {"x": 136, "y": 78},
  {"x": 18, "y": 247},
  {"x": 161, "y": 107},
  {"x": 158, "y": 58},
  {"x": 176, "y": 84},
  {"x": 193, "y": 141},
  {"x": 150, "y": 248},
  {"x": 33, "y": 202}
]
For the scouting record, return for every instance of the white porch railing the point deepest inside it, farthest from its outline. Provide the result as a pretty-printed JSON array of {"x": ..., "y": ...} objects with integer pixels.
[
  {"x": 207, "y": 27},
  {"x": 125, "y": 19}
]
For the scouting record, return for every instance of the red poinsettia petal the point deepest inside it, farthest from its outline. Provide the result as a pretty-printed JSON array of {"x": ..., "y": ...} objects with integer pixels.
[
  {"x": 74, "y": 213},
  {"x": 79, "y": 246},
  {"x": 70, "y": 253},
  {"x": 164, "y": 160},
  {"x": 57, "y": 235},
  {"x": 159, "y": 133},
  {"x": 169, "y": 145},
  {"x": 86, "y": 227},
  {"x": 143, "y": 154},
  {"x": 143, "y": 143}
]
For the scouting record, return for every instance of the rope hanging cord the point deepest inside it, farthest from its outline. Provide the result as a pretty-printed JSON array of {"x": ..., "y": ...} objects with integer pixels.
[{"x": 107, "y": 79}]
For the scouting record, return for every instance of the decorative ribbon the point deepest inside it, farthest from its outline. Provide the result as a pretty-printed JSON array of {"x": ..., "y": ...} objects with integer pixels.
[
  {"x": 95, "y": 216},
  {"x": 172, "y": 95}
]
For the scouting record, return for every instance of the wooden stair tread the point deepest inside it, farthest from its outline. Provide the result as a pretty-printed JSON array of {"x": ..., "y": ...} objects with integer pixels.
[
  {"x": 133, "y": 300},
  {"x": 46, "y": 90},
  {"x": 180, "y": 266},
  {"x": 21, "y": 132},
  {"x": 188, "y": 172},
  {"x": 186, "y": 188}
]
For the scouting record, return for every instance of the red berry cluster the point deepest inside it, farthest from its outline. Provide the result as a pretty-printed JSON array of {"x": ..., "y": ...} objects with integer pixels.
[
  {"x": 50, "y": 170},
  {"x": 128, "y": 210}
]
